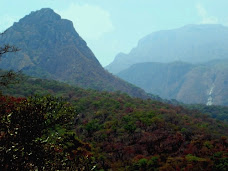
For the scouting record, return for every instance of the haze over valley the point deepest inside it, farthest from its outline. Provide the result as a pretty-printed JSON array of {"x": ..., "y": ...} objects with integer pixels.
[{"x": 188, "y": 64}]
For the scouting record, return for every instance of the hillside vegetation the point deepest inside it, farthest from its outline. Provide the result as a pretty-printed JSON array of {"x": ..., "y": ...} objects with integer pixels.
[{"x": 103, "y": 130}]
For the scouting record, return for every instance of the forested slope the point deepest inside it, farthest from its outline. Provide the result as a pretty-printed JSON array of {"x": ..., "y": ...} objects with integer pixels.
[{"x": 104, "y": 130}]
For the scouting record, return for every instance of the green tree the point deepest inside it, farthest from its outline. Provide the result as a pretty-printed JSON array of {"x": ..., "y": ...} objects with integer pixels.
[{"x": 37, "y": 133}]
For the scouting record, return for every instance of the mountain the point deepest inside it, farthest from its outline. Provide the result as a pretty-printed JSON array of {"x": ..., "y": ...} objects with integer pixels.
[
  {"x": 191, "y": 43},
  {"x": 205, "y": 83},
  {"x": 51, "y": 48}
]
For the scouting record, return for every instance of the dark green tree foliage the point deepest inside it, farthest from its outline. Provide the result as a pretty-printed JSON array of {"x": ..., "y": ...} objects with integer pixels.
[
  {"x": 217, "y": 112},
  {"x": 135, "y": 134},
  {"x": 36, "y": 133},
  {"x": 30, "y": 86}
]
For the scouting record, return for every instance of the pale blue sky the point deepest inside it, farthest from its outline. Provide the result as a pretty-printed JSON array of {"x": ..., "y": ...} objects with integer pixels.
[{"x": 113, "y": 26}]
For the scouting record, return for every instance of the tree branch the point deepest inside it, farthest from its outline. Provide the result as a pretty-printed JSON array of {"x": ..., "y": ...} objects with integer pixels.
[
  {"x": 8, "y": 77},
  {"x": 7, "y": 48}
]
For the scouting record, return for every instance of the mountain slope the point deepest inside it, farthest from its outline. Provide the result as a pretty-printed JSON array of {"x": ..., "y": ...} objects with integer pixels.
[
  {"x": 51, "y": 48},
  {"x": 203, "y": 83},
  {"x": 124, "y": 133},
  {"x": 191, "y": 43}
]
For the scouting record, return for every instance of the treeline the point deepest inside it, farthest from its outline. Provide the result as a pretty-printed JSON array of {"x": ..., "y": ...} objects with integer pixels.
[
  {"x": 31, "y": 86},
  {"x": 100, "y": 130}
]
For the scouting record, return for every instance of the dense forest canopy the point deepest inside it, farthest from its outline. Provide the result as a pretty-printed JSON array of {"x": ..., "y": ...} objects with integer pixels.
[{"x": 104, "y": 130}]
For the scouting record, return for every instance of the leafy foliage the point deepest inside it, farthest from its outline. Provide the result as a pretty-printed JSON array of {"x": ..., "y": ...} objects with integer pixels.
[
  {"x": 217, "y": 112},
  {"x": 30, "y": 86},
  {"x": 37, "y": 133},
  {"x": 136, "y": 134},
  {"x": 122, "y": 132}
]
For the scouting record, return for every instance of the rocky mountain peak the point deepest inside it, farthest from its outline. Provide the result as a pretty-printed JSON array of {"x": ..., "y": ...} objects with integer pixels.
[
  {"x": 46, "y": 19},
  {"x": 51, "y": 48},
  {"x": 44, "y": 15}
]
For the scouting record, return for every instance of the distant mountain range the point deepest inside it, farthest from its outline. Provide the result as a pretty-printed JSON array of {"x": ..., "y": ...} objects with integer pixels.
[
  {"x": 189, "y": 83},
  {"x": 188, "y": 64},
  {"x": 51, "y": 48},
  {"x": 191, "y": 43}
]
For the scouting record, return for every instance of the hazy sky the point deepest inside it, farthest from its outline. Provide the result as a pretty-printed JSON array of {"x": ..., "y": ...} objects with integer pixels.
[{"x": 113, "y": 26}]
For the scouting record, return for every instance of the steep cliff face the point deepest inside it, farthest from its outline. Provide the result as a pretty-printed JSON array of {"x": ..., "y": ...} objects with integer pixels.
[
  {"x": 191, "y": 43},
  {"x": 51, "y": 48},
  {"x": 203, "y": 83}
]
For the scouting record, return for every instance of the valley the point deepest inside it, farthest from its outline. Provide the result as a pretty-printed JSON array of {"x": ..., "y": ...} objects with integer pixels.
[{"x": 162, "y": 107}]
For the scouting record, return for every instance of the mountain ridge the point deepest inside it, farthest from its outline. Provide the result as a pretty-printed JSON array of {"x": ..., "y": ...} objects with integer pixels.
[
  {"x": 191, "y": 43},
  {"x": 204, "y": 83},
  {"x": 52, "y": 49}
]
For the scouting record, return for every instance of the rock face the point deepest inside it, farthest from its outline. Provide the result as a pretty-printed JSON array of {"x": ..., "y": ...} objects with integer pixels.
[
  {"x": 199, "y": 83},
  {"x": 51, "y": 48},
  {"x": 192, "y": 43}
]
